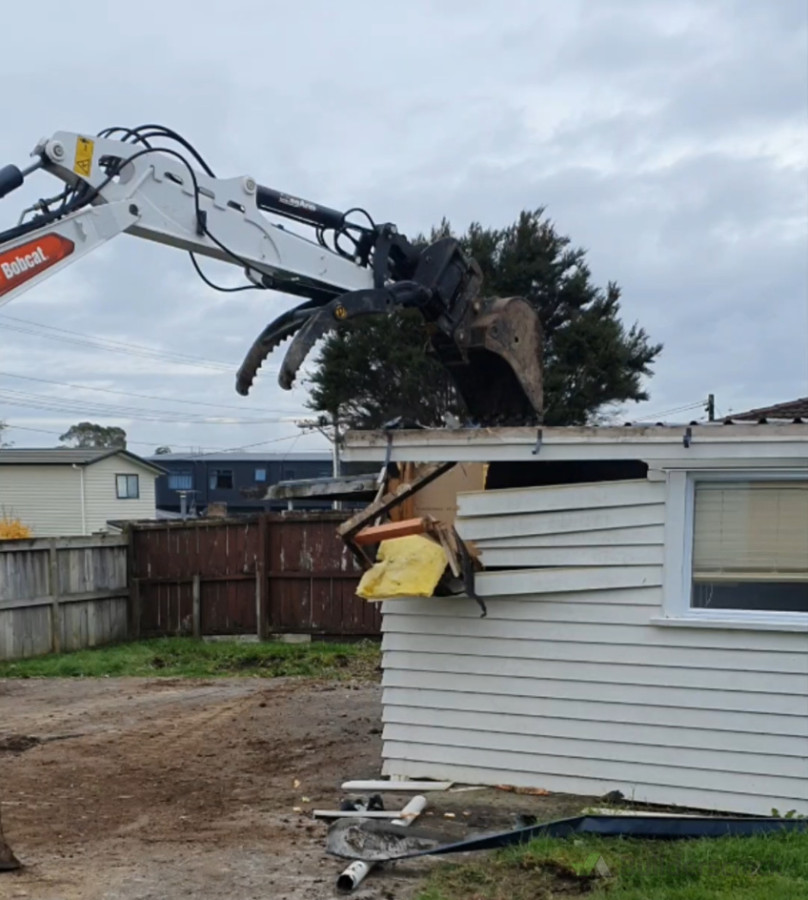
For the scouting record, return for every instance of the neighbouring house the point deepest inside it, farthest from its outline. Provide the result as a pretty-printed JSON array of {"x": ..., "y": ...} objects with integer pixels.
[
  {"x": 647, "y": 616},
  {"x": 238, "y": 480},
  {"x": 65, "y": 491},
  {"x": 791, "y": 411}
]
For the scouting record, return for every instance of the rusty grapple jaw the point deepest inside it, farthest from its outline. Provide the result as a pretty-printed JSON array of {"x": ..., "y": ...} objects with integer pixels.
[
  {"x": 495, "y": 361},
  {"x": 491, "y": 348}
]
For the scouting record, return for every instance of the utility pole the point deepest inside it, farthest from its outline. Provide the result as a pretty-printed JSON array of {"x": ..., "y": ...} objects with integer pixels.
[
  {"x": 711, "y": 407},
  {"x": 322, "y": 424}
]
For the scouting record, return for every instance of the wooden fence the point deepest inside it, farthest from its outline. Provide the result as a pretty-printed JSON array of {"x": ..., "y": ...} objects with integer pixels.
[
  {"x": 62, "y": 594},
  {"x": 261, "y": 575}
]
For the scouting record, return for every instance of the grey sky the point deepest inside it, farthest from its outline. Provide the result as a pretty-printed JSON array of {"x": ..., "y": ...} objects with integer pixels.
[{"x": 669, "y": 139}]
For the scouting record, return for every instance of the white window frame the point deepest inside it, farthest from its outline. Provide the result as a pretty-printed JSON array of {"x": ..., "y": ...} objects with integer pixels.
[{"x": 678, "y": 571}]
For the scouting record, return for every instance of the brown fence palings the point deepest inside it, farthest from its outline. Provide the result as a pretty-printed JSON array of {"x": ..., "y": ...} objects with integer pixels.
[{"x": 277, "y": 573}]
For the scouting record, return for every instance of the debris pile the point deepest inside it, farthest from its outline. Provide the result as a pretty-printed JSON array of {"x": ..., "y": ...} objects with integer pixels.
[
  {"x": 407, "y": 551},
  {"x": 371, "y": 837},
  {"x": 353, "y": 835}
]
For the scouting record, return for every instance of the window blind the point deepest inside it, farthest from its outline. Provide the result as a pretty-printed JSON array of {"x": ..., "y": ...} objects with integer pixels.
[{"x": 751, "y": 531}]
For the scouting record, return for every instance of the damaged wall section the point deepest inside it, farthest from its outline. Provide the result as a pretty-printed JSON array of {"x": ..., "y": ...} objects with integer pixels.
[{"x": 577, "y": 681}]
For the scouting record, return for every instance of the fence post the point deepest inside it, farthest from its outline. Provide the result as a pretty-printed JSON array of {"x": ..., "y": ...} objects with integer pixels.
[
  {"x": 261, "y": 586},
  {"x": 134, "y": 585},
  {"x": 53, "y": 592},
  {"x": 196, "y": 598}
]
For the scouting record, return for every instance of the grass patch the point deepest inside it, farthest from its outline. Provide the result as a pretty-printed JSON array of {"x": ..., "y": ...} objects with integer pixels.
[
  {"x": 192, "y": 658},
  {"x": 756, "y": 868}
]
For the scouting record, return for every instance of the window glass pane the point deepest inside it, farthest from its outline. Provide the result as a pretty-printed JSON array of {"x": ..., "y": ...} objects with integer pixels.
[
  {"x": 260, "y": 474},
  {"x": 126, "y": 487},
  {"x": 755, "y": 529},
  {"x": 180, "y": 481},
  {"x": 750, "y": 545},
  {"x": 778, "y": 596},
  {"x": 221, "y": 479}
]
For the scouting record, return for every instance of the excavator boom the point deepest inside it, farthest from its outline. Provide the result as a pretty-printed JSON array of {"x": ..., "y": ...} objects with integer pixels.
[{"x": 149, "y": 182}]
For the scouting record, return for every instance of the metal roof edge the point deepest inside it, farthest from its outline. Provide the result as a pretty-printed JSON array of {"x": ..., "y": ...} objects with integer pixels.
[
  {"x": 63, "y": 460},
  {"x": 525, "y": 443}
]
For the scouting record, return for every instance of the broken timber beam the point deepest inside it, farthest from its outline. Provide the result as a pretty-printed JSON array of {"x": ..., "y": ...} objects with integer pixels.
[
  {"x": 375, "y": 534},
  {"x": 348, "y": 529}
]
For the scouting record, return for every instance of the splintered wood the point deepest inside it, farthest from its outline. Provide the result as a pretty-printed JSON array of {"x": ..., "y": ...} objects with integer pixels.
[
  {"x": 398, "y": 555},
  {"x": 375, "y": 534},
  {"x": 444, "y": 534}
]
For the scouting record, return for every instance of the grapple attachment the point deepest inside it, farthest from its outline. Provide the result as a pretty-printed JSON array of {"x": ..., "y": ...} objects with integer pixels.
[{"x": 491, "y": 347}]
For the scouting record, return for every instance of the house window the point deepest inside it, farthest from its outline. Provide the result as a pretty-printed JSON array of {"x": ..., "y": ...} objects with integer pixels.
[
  {"x": 736, "y": 550},
  {"x": 750, "y": 546},
  {"x": 127, "y": 487},
  {"x": 180, "y": 481},
  {"x": 221, "y": 480},
  {"x": 260, "y": 474}
]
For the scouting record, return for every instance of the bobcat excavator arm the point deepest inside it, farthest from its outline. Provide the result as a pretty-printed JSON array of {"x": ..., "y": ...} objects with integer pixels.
[{"x": 123, "y": 181}]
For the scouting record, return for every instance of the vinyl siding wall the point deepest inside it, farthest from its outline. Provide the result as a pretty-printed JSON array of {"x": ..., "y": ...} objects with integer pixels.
[
  {"x": 102, "y": 503},
  {"x": 45, "y": 498},
  {"x": 566, "y": 684}
]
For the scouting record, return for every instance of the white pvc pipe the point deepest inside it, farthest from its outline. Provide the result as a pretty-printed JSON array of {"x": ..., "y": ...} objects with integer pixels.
[
  {"x": 353, "y": 876},
  {"x": 357, "y": 871},
  {"x": 384, "y": 786},
  {"x": 411, "y": 811}
]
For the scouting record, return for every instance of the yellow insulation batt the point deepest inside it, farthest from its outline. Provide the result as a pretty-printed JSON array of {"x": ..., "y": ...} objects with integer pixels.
[{"x": 406, "y": 567}]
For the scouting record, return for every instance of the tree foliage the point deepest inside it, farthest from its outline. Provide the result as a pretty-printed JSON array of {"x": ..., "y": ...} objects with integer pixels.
[
  {"x": 3, "y": 442},
  {"x": 89, "y": 434},
  {"x": 375, "y": 370},
  {"x": 12, "y": 529},
  {"x": 162, "y": 450},
  {"x": 378, "y": 369}
]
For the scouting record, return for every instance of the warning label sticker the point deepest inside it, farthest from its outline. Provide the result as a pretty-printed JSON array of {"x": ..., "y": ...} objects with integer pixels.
[{"x": 84, "y": 157}]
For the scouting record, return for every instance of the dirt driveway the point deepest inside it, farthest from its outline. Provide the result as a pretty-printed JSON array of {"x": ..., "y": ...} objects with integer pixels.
[
  {"x": 169, "y": 789},
  {"x": 161, "y": 789}
]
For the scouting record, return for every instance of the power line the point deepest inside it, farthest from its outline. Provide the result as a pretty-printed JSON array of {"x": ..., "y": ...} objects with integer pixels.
[
  {"x": 87, "y": 387},
  {"x": 66, "y": 336},
  {"x": 667, "y": 412},
  {"x": 207, "y": 451},
  {"x": 59, "y": 434},
  {"x": 289, "y": 437},
  {"x": 82, "y": 408}
]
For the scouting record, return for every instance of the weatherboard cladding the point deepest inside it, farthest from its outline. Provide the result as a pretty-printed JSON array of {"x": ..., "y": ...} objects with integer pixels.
[
  {"x": 47, "y": 497},
  {"x": 101, "y": 500},
  {"x": 566, "y": 685}
]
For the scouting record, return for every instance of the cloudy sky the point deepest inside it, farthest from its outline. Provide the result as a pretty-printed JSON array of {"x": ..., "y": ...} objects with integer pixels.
[{"x": 668, "y": 139}]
